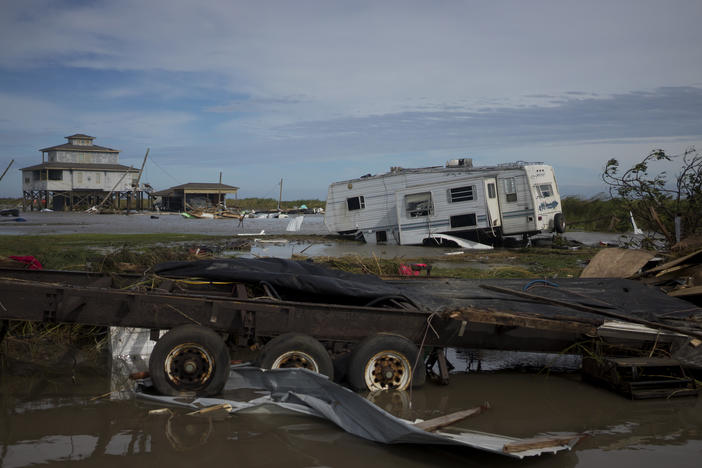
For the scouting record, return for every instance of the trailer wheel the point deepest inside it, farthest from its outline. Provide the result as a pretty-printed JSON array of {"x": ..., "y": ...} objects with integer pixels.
[
  {"x": 559, "y": 223},
  {"x": 295, "y": 350},
  {"x": 189, "y": 358},
  {"x": 385, "y": 362}
]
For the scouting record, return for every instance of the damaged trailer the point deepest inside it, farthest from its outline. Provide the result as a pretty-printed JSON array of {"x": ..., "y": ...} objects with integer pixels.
[
  {"x": 373, "y": 333},
  {"x": 456, "y": 204}
]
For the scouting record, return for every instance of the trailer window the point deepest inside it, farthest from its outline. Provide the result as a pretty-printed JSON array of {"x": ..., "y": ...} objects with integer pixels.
[
  {"x": 355, "y": 203},
  {"x": 545, "y": 190},
  {"x": 459, "y": 194},
  {"x": 492, "y": 193},
  {"x": 463, "y": 220},
  {"x": 510, "y": 190},
  {"x": 418, "y": 204}
]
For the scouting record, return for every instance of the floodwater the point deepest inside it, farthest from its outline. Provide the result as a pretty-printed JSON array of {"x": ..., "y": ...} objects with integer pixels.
[
  {"x": 51, "y": 418},
  {"x": 263, "y": 229}
]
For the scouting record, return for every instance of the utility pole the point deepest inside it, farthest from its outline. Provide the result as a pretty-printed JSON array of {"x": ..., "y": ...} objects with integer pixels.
[
  {"x": 219, "y": 190},
  {"x": 280, "y": 196},
  {"x": 136, "y": 187}
]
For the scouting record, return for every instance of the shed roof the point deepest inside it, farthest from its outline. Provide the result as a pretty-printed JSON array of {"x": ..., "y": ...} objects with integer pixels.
[
  {"x": 83, "y": 166},
  {"x": 197, "y": 187}
]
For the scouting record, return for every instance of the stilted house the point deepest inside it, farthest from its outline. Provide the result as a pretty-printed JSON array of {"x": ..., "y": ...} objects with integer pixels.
[
  {"x": 194, "y": 195},
  {"x": 77, "y": 175}
]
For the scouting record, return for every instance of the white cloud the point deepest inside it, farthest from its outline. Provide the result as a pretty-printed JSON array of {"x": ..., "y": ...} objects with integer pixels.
[
  {"x": 372, "y": 57},
  {"x": 237, "y": 82}
]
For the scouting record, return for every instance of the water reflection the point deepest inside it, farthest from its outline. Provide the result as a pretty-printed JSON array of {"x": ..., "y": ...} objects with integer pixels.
[{"x": 60, "y": 423}]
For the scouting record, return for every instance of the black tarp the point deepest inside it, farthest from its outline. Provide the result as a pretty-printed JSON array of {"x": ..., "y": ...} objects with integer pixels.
[{"x": 292, "y": 280}]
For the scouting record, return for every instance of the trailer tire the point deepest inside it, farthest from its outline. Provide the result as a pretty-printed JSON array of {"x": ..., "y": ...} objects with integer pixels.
[
  {"x": 189, "y": 358},
  {"x": 296, "y": 350},
  {"x": 559, "y": 224},
  {"x": 386, "y": 362}
]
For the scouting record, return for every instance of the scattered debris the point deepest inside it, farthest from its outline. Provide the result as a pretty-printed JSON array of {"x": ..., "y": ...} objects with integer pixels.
[
  {"x": 295, "y": 224},
  {"x": 309, "y": 393},
  {"x": 640, "y": 378}
]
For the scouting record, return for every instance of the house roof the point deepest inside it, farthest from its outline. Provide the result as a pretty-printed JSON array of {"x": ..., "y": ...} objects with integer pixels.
[
  {"x": 81, "y": 135},
  {"x": 82, "y": 166},
  {"x": 197, "y": 187},
  {"x": 70, "y": 147}
]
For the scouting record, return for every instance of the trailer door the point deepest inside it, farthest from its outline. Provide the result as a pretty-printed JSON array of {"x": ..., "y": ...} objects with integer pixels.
[
  {"x": 492, "y": 205},
  {"x": 517, "y": 211}
]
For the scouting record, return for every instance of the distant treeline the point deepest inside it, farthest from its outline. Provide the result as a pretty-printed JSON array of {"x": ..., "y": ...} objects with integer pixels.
[
  {"x": 268, "y": 204},
  {"x": 596, "y": 214}
]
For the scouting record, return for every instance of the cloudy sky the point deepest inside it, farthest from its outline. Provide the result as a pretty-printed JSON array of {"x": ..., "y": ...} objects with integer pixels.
[{"x": 319, "y": 91}]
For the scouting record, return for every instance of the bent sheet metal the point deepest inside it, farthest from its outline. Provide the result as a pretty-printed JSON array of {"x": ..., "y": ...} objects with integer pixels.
[{"x": 305, "y": 392}]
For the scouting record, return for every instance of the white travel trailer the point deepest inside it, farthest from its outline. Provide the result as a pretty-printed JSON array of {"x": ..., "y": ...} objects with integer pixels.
[{"x": 459, "y": 201}]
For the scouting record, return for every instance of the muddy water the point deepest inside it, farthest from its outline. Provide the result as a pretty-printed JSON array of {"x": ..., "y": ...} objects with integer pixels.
[{"x": 50, "y": 418}]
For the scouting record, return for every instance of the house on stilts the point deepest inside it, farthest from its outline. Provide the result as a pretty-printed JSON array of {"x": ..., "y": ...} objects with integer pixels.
[{"x": 77, "y": 175}]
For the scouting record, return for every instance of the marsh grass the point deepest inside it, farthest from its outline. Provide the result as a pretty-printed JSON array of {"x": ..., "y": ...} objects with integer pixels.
[{"x": 522, "y": 263}]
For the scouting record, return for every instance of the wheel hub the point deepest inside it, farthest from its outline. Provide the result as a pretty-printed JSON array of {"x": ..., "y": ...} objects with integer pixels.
[
  {"x": 189, "y": 366},
  {"x": 388, "y": 370},
  {"x": 295, "y": 359}
]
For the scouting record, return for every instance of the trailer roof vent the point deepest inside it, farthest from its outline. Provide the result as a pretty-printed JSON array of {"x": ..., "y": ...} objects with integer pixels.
[{"x": 463, "y": 162}]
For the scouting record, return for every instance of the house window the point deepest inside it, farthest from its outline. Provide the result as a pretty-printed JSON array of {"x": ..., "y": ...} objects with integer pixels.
[
  {"x": 381, "y": 236},
  {"x": 97, "y": 178},
  {"x": 355, "y": 203},
  {"x": 459, "y": 194},
  {"x": 35, "y": 175},
  {"x": 510, "y": 190},
  {"x": 55, "y": 174},
  {"x": 545, "y": 190},
  {"x": 27, "y": 180},
  {"x": 79, "y": 177},
  {"x": 419, "y": 204},
  {"x": 463, "y": 220},
  {"x": 492, "y": 193}
]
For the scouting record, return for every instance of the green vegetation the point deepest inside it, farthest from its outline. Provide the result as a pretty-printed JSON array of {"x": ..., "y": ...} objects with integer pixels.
[
  {"x": 269, "y": 204},
  {"x": 665, "y": 205},
  {"x": 523, "y": 263},
  {"x": 102, "y": 252},
  {"x": 139, "y": 252},
  {"x": 596, "y": 214}
]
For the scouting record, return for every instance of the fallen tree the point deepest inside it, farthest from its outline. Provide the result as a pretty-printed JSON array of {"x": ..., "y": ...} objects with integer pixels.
[{"x": 667, "y": 208}]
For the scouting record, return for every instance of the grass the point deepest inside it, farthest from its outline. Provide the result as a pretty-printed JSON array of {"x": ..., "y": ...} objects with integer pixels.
[{"x": 522, "y": 263}]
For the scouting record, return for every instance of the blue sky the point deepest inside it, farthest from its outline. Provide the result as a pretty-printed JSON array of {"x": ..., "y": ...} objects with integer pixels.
[{"x": 319, "y": 91}]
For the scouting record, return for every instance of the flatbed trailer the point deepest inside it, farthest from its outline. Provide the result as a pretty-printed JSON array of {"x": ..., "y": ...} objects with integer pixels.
[{"x": 385, "y": 342}]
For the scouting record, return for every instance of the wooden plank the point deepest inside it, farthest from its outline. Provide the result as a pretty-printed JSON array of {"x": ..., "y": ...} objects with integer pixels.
[
  {"x": 682, "y": 292},
  {"x": 448, "y": 419},
  {"x": 493, "y": 317},
  {"x": 678, "y": 261},
  {"x": 616, "y": 263},
  {"x": 532, "y": 444}
]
